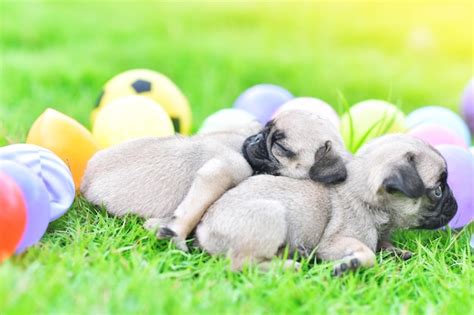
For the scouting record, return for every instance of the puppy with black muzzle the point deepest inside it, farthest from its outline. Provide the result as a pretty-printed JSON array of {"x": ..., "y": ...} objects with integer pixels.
[
  {"x": 172, "y": 181},
  {"x": 394, "y": 182}
]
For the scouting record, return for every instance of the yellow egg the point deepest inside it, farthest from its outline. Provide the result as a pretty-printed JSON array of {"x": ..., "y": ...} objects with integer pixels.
[
  {"x": 151, "y": 84},
  {"x": 67, "y": 138},
  {"x": 128, "y": 118}
]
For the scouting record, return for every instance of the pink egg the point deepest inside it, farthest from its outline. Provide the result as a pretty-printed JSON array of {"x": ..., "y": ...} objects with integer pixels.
[
  {"x": 314, "y": 105},
  {"x": 436, "y": 135}
]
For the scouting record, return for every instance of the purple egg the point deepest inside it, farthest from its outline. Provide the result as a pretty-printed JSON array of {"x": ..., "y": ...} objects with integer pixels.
[
  {"x": 461, "y": 180},
  {"x": 436, "y": 135},
  {"x": 467, "y": 105},
  {"x": 36, "y": 201},
  {"x": 262, "y": 100}
]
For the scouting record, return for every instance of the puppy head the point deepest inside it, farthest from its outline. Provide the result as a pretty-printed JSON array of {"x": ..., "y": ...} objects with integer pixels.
[
  {"x": 408, "y": 179},
  {"x": 298, "y": 144}
]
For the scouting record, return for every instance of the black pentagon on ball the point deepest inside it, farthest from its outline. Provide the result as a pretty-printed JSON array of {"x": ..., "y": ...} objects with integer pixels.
[
  {"x": 141, "y": 86},
  {"x": 176, "y": 124}
]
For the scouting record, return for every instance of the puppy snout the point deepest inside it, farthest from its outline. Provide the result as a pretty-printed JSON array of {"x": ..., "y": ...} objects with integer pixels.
[
  {"x": 449, "y": 206},
  {"x": 256, "y": 139},
  {"x": 442, "y": 213}
]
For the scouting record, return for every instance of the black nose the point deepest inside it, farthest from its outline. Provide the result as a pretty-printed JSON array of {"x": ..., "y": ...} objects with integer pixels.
[
  {"x": 257, "y": 138},
  {"x": 450, "y": 206}
]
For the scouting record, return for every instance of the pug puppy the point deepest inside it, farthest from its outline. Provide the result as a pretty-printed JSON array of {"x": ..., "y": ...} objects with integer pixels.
[
  {"x": 172, "y": 181},
  {"x": 394, "y": 182}
]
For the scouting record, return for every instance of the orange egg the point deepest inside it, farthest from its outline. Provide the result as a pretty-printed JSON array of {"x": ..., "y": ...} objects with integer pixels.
[{"x": 71, "y": 141}]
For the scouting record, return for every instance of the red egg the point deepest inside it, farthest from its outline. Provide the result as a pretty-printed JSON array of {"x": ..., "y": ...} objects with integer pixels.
[{"x": 12, "y": 216}]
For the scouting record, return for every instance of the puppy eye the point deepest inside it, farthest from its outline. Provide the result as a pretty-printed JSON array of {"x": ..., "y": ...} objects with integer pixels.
[
  {"x": 281, "y": 147},
  {"x": 277, "y": 135},
  {"x": 443, "y": 177},
  {"x": 437, "y": 193},
  {"x": 286, "y": 152}
]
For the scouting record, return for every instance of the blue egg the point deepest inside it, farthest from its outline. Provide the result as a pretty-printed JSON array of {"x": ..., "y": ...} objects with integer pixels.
[
  {"x": 262, "y": 100},
  {"x": 440, "y": 116}
]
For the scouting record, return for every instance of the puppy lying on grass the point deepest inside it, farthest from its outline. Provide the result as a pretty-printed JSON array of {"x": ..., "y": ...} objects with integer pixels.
[
  {"x": 394, "y": 182},
  {"x": 172, "y": 181}
]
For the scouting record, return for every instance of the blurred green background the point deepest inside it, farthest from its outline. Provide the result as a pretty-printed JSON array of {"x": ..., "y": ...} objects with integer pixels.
[{"x": 59, "y": 54}]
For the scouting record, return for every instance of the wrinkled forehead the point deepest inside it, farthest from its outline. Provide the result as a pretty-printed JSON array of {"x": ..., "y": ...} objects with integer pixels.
[
  {"x": 393, "y": 149},
  {"x": 430, "y": 164},
  {"x": 307, "y": 125}
]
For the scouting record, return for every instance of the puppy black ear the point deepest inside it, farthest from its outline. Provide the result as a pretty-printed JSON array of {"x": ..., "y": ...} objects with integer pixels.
[
  {"x": 405, "y": 179},
  {"x": 329, "y": 168}
]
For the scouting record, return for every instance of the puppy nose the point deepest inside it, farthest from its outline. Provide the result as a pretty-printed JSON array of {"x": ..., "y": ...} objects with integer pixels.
[{"x": 257, "y": 139}]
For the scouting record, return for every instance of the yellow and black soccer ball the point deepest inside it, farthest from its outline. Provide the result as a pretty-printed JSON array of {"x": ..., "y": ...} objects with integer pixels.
[{"x": 151, "y": 84}]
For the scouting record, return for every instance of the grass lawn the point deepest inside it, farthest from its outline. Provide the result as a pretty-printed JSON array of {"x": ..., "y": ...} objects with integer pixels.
[{"x": 58, "y": 54}]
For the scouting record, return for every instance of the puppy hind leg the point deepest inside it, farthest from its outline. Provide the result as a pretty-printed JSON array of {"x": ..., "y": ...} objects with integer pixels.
[
  {"x": 238, "y": 261},
  {"x": 287, "y": 264},
  {"x": 259, "y": 239},
  {"x": 211, "y": 182},
  {"x": 349, "y": 253}
]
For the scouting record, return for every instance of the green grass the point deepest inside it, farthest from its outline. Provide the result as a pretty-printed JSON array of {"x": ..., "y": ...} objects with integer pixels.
[{"x": 59, "y": 54}]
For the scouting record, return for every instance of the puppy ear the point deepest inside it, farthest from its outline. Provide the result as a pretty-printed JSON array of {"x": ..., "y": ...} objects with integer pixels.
[
  {"x": 329, "y": 168},
  {"x": 405, "y": 179}
]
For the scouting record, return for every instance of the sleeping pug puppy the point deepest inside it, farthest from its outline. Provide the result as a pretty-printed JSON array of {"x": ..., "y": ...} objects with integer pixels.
[
  {"x": 394, "y": 182},
  {"x": 172, "y": 181}
]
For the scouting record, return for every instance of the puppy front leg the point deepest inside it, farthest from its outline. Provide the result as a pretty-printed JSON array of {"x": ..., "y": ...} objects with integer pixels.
[
  {"x": 211, "y": 182},
  {"x": 349, "y": 252},
  {"x": 152, "y": 224},
  {"x": 388, "y": 247}
]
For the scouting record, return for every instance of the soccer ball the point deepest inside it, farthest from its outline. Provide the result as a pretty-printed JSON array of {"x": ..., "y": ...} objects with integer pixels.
[{"x": 151, "y": 84}]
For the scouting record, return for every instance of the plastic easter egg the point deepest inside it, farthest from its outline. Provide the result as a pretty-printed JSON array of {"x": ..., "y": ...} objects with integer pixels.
[
  {"x": 314, "y": 105},
  {"x": 48, "y": 167},
  {"x": 369, "y": 119},
  {"x": 68, "y": 139},
  {"x": 129, "y": 118},
  {"x": 436, "y": 135},
  {"x": 461, "y": 180},
  {"x": 440, "y": 116},
  {"x": 36, "y": 201},
  {"x": 12, "y": 216},
  {"x": 262, "y": 100},
  {"x": 228, "y": 119},
  {"x": 467, "y": 105},
  {"x": 151, "y": 84}
]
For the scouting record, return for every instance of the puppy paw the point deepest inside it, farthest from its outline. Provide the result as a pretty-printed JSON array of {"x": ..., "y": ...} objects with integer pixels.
[
  {"x": 180, "y": 244},
  {"x": 400, "y": 253},
  {"x": 405, "y": 254},
  {"x": 152, "y": 224},
  {"x": 166, "y": 232},
  {"x": 292, "y": 265},
  {"x": 345, "y": 266},
  {"x": 388, "y": 247}
]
